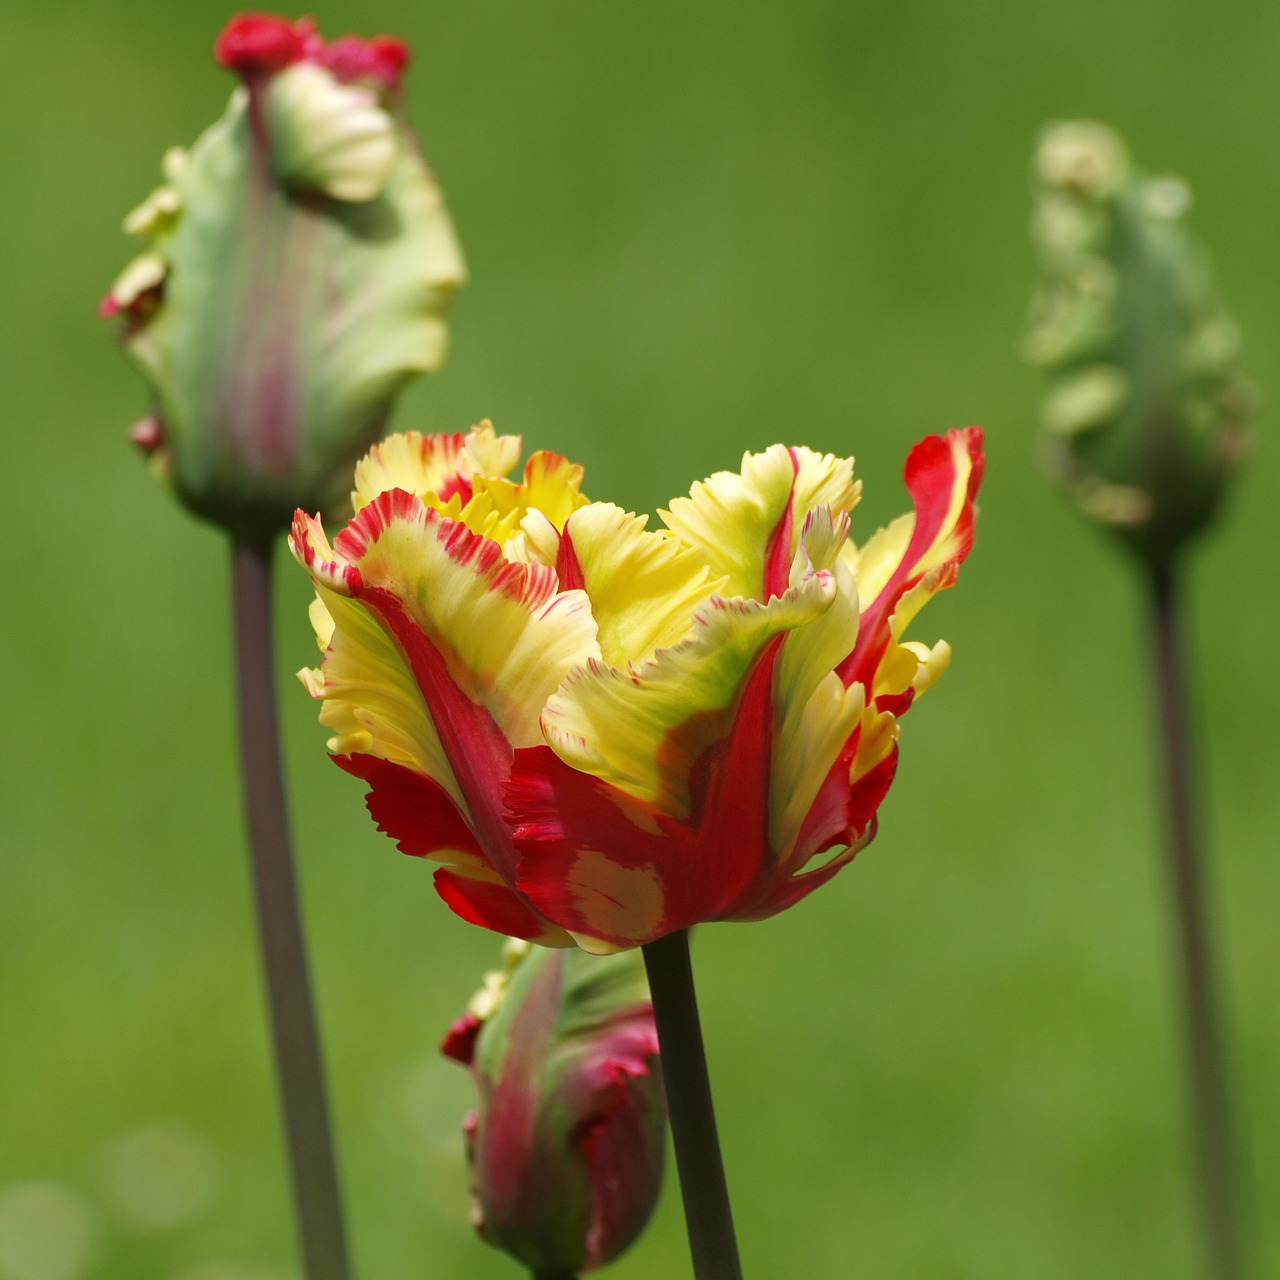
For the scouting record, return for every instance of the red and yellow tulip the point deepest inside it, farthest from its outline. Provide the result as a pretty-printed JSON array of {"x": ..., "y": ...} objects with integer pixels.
[{"x": 606, "y": 733}]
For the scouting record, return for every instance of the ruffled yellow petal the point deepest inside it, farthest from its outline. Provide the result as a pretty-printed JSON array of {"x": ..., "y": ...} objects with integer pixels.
[
  {"x": 506, "y": 634},
  {"x": 372, "y": 703},
  {"x": 642, "y": 729},
  {"x": 643, "y": 586},
  {"x": 552, "y": 485},
  {"x": 735, "y": 520},
  {"x": 435, "y": 467}
]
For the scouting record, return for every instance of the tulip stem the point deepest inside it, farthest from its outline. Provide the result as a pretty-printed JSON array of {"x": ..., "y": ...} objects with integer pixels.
[
  {"x": 708, "y": 1216},
  {"x": 1206, "y": 1070},
  {"x": 299, "y": 1069}
]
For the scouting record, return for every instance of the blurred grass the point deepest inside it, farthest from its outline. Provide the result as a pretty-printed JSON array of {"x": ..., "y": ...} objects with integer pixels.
[{"x": 692, "y": 230}]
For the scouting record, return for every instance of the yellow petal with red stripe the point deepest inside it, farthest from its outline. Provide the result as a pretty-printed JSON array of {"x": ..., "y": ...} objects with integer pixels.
[
  {"x": 644, "y": 586},
  {"x": 642, "y": 729},
  {"x": 746, "y": 525}
]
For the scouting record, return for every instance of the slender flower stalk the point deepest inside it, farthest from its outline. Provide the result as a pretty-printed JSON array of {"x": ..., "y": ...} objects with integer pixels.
[
  {"x": 1207, "y": 1074},
  {"x": 298, "y": 264},
  {"x": 1146, "y": 418},
  {"x": 299, "y": 1068},
  {"x": 708, "y": 1214}
]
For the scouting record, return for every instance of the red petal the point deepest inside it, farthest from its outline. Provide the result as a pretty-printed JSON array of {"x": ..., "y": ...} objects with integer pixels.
[
  {"x": 931, "y": 474},
  {"x": 494, "y": 906},
  {"x": 866, "y": 794},
  {"x": 381, "y": 60},
  {"x": 414, "y": 810},
  {"x": 580, "y": 838},
  {"x": 459, "y": 1042},
  {"x": 260, "y": 43}
]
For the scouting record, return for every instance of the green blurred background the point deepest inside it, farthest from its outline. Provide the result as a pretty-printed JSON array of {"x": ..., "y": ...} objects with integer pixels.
[{"x": 692, "y": 229}]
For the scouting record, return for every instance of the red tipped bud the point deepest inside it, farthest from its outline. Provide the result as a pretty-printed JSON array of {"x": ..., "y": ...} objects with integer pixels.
[
  {"x": 566, "y": 1146},
  {"x": 261, "y": 43},
  {"x": 299, "y": 266}
]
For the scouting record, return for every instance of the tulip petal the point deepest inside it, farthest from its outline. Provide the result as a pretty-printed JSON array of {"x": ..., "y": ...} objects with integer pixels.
[
  {"x": 440, "y": 659},
  {"x": 328, "y": 136},
  {"x": 416, "y": 812},
  {"x": 746, "y": 525},
  {"x": 641, "y": 729},
  {"x": 643, "y": 586},
  {"x": 503, "y": 635},
  {"x": 371, "y": 700},
  {"x": 492, "y": 905},
  {"x": 432, "y": 466},
  {"x": 616, "y": 872},
  {"x": 913, "y": 558}
]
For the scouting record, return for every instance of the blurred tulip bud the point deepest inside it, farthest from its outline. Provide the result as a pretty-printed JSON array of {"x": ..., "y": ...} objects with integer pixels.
[
  {"x": 1146, "y": 414},
  {"x": 567, "y": 1145},
  {"x": 298, "y": 268}
]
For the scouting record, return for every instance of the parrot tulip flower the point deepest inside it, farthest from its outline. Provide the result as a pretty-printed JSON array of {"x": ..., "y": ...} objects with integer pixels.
[
  {"x": 604, "y": 733},
  {"x": 566, "y": 1147}
]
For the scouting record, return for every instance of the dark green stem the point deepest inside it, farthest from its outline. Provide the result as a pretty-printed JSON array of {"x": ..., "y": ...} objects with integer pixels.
[
  {"x": 554, "y": 1275},
  {"x": 707, "y": 1213},
  {"x": 1207, "y": 1076},
  {"x": 297, "y": 1046}
]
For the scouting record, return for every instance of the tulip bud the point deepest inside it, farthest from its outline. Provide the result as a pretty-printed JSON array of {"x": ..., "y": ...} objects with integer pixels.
[
  {"x": 1146, "y": 414},
  {"x": 298, "y": 268},
  {"x": 566, "y": 1147}
]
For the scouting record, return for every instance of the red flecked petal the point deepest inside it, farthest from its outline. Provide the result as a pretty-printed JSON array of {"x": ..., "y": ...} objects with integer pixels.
[
  {"x": 624, "y": 1164},
  {"x": 474, "y": 745}
]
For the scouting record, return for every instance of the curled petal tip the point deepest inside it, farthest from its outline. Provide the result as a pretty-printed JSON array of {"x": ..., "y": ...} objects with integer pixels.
[
  {"x": 311, "y": 549},
  {"x": 381, "y": 60},
  {"x": 147, "y": 434},
  {"x": 260, "y": 44},
  {"x": 459, "y": 1042}
]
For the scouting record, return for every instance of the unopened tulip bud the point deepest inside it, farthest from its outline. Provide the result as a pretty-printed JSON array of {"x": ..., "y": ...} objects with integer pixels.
[
  {"x": 1146, "y": 414},
  {"x": 566, "y": 1146},
  {"x": 298, "y": 267}
]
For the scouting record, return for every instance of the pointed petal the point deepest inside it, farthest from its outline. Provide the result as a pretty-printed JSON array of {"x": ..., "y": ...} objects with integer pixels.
[
  {"x": 371, "y": 700},
  {"x": 913, "y": 558},
  {"x": 552, "y": 485},
  {"x": 810, "y": 745},
  {"x": 440, "y": 661},
  {"x": 413, "y": 462},
  {"x": 588, "y": 853},
  {"x": 416, "y": 812}
]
